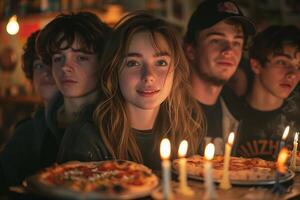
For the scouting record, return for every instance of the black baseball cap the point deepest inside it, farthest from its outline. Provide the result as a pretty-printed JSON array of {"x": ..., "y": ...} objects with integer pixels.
[{"x": 210, "y": 12}]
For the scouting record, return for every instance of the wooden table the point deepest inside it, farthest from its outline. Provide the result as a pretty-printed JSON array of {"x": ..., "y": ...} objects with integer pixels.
[{"x": 241, "y": 192}]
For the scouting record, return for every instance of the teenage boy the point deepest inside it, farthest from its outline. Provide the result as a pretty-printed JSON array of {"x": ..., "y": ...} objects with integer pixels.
[
  {"x": 216, "y": 35},
  {"x": 73, "y": 58},
  {"x": 275, "y": 66}
]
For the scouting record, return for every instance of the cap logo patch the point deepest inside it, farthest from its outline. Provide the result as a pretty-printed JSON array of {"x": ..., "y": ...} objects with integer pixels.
[{"x": 228, "y": 7}]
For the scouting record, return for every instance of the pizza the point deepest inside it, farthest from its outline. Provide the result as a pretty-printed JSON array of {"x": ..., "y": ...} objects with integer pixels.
[
  {"x": 240, "y": 169},
  {"x": 108, "y": 179}
]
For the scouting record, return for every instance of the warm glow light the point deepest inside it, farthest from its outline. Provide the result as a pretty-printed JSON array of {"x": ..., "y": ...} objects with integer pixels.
[
  {"x": 165, "y": 148},
  {"x": 231, "y": 138},
  {"x": 282, "y": 158},
  {"x": 12, "y": 26},
  {"x": 285, "y": 133},
  {"x": 209, "y": 151},
  {"x": 182, "y": 148},
  {"x": 296, "y": 138}
]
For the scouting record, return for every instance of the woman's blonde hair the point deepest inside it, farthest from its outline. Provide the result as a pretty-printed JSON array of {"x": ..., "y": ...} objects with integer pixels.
[{"x": 179, "y": 117}]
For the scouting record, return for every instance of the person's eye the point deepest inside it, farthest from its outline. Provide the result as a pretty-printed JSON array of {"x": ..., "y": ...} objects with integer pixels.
[
  {"x": 282, "y": 63},
  {"x": 82, "y": 58},
  {"x": 38, "y": 66},
  {"x": 237, "y": 44},
  {"x": 57, "y": 59},
  {"x": 162, "y": 63},
  {"x": 215, "y": 41},
  {"x": 132, "y": 63},
  {"x": 296, "y": 68}
]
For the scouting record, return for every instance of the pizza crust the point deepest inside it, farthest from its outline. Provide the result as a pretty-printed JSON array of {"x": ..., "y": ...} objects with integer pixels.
[{"x": 240, "y": 169}]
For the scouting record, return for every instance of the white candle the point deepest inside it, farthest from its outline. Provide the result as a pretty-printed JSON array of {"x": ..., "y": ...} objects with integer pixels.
[
  {"x": 165, "y": 151},
  {"x": 210, "y": 192},
  {"x": 225, "y": 182},
  {"x": 183, "y": 187},
  {"x": 294, "y": 153}
]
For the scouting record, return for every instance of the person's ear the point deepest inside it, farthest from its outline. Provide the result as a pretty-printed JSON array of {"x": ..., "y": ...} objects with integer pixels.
[
  {"x": 255, "y": 66},
  {"x": 189, "y": 51}
]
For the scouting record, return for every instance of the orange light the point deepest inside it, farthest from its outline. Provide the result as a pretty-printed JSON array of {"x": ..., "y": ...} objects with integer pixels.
[
  {"x": 282, "y": 159},
  {"x": 12, "y": 26}
]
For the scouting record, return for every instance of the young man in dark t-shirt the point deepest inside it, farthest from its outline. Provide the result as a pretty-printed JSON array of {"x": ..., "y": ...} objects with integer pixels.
[
  {"x": 275, "y": 66},
  {"x": 216, "y": 34}
]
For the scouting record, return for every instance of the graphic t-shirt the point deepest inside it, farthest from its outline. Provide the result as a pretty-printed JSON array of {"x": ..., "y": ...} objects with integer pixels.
[{"x": 260, "y": 132}]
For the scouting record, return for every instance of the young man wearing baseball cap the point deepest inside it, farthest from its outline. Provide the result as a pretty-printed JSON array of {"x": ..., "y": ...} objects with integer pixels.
[{"x": 216, "y": 35}]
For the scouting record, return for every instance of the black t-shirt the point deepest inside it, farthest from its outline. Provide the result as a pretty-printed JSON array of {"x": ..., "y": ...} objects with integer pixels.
[
  {"x": 260, "y": 132},
  {"x": 213, "y": 115},
  {"x": 145, "y": 141},
  {"x": 214, "y": 118}
]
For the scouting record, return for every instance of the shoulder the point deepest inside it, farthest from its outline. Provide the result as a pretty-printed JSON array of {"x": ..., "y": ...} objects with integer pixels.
[
  {"x": 234, "y": 104},
  {"x": 291, "y": 109},
  {"x": 24, "y": 122},
  {"x": 87, "y": 140}
]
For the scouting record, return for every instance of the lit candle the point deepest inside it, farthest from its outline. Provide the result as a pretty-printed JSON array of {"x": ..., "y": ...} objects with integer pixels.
[
  {"x": 183, "y": 187},
  {"x": 294, "y": 153},
  {"x": 281, "y": 169},
  {"x": 165, "y": 151},
  {"x": 281, "y": 160},
  {"x": 209, "y": 184},
  {"x": 284, "y": 136},
  {"x": 225, "y": 182}
]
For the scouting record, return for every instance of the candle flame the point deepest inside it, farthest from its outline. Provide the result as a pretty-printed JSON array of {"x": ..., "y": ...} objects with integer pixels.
[
  {"x": 183, "y": 148},
  {"x": 286, "y": 132},
  {"x": 231, "y": 138},
  {"x": 296, "y": 137},
  {"x": 281, "y": 160},
  {"x": 209, "y": 151},
  {"x": 165, "y": 148}
]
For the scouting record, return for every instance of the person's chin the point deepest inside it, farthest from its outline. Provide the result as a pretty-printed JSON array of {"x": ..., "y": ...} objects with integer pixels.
[{"x": 148, "y": 106}]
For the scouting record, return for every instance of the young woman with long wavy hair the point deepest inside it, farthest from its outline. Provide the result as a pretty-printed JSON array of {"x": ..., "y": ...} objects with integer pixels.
[{"x": 146, "y": 96}]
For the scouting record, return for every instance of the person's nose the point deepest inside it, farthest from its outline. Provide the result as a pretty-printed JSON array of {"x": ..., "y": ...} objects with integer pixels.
[
  {"x": 148, "y": 74},
  {"x": 227, "y": 48},
  {"x": 68, "y": 65}
]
